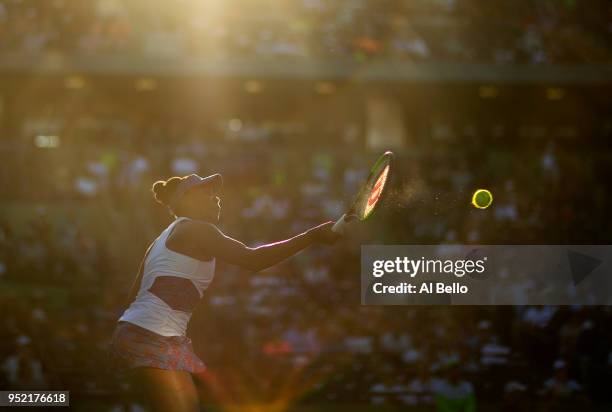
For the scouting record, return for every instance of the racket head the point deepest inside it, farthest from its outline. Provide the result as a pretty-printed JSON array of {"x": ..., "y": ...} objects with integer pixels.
[{"x": 374, "y": 187}]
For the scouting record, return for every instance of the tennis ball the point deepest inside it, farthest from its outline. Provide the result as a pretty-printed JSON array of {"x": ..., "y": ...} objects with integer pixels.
[{"x": 482, "y": 199}]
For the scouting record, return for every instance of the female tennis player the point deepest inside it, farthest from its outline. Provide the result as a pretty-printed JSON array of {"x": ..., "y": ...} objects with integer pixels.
[{"x": 150, "y": 338}]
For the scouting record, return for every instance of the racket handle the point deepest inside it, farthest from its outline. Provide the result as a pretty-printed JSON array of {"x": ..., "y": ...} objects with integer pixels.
[{"x": 339, "y": 226}]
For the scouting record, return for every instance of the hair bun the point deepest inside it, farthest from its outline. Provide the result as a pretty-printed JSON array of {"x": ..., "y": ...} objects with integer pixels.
[{"x": 164, "y": 189}]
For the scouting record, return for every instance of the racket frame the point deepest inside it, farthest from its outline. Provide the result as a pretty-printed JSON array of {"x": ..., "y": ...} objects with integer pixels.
[{"x": 349, "y": 216}]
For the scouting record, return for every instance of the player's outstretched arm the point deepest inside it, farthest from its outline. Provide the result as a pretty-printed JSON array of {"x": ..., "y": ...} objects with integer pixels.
[{"x": 204, "y": 240}]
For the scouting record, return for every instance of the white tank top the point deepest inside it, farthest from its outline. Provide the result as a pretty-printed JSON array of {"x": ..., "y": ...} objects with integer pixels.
[{"x": 171, "y": 286}]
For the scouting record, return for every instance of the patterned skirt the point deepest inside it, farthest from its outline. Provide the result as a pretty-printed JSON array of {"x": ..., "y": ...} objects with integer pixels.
[{"x": 133, "y": 346}]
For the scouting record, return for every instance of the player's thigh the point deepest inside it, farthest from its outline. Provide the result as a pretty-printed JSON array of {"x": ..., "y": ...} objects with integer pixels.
[{"x": 167, "y": 390}]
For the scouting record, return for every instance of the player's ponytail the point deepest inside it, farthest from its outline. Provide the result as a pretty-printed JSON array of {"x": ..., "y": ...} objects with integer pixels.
[{"x": 164, "y": 189}]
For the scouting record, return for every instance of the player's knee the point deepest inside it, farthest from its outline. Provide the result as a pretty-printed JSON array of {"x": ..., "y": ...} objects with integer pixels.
[
  {"x": 186, "y": 397},
  {"x": 185, "y": 402},
  {"x": 175, "y": 402}
]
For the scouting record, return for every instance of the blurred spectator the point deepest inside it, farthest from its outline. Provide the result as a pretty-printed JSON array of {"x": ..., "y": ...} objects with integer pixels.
[
  {"x": 23, "y": 369},
  {"x": 563, "y": 393},
  {"x": 452, "y": 393}
]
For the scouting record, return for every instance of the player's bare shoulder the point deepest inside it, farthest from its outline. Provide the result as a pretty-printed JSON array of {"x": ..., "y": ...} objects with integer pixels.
[{"x": 194, "y": 238}]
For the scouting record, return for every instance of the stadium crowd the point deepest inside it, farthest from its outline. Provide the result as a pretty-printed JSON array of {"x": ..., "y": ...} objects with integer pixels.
[
  {"x": 517, "y": 31},
  {"x": 81, "y": 215}
]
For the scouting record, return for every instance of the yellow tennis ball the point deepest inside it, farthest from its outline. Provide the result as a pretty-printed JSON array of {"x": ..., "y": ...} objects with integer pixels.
[{"x": 482, "y": 199}]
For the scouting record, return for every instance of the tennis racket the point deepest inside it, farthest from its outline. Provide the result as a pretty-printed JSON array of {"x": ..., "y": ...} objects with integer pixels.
[{"x": 370, "y": 193}]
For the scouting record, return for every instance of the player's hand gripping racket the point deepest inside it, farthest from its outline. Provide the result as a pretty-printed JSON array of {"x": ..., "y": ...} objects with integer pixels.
[{"x": 370, "y": 193}]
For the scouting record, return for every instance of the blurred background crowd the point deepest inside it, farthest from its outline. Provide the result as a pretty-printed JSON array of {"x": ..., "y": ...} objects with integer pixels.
[
  {"x": 509, "y": 31},
  {"x": 79, "y": 153}
]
